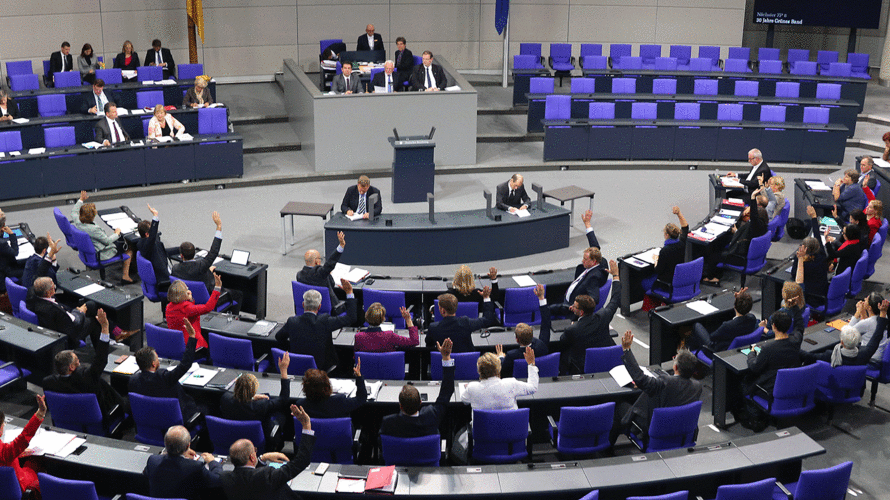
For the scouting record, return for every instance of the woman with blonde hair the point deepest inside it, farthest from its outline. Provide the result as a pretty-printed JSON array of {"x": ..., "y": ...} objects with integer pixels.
[
  {"x": 375, "y": 339},
  {"x": 163, "y": 125},
  {"x": 127, "y": 59},
  {"x": 464, "y": 285},
  {"x": 106, "y": 245},
  {"x": 492, "y": 392},
  {"x": 199, "y": 95},
  {"x": 245, "y": 404},
  {"x": 182, "y": 308}
]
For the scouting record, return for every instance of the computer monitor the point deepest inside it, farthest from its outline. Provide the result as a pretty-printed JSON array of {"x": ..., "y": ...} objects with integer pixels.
[{"x": 240, "y": 257}]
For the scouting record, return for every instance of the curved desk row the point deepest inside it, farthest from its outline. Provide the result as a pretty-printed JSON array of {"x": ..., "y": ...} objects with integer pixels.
[
  {"x": 842, "y": 111},
  {"x": 52, "y": 172},
  {"x": 454, "y": 237},
  {"x": 123, "y": 93},
  {"x": 625, "y": 139}
]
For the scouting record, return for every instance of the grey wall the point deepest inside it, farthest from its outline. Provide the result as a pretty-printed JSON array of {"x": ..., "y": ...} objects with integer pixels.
[{"x": 252, "y": 37}]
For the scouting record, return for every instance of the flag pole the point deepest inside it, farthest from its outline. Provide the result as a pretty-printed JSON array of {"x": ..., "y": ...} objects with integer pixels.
[{"x": 506, "y": 52}]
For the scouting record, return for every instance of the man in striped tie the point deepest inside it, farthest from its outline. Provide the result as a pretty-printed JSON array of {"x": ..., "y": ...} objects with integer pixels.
[{"x": 357, "y": 199}]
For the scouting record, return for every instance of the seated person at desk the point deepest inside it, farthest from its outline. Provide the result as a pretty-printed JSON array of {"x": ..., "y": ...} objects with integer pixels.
[
  {"x": 71, "y": 377},
  {"x": 346, "y": 82},
  {"x": 180, "y": 472},
  {"x": 414, "y": 420},
  {"x": 810, "y": 267},
  {"x": 370, "y": 40},
  {"x": 83, "y": 216},
  {"x": 9, "y": 250},
  {"x": 182, "y": 309},
  {"x": 11, "y": 452},
  {"x": 43, "y": 263},
  {"x": 320, "y": 400},
  {"x": 310, "y": 333},
  {"x": 356, "y": 199},
  {"x": 751, "y": 224},
  {"x": 428, "y": 76},
  {"x": 870, "y": 219},
  {"x": 464, "y": 285},
  {"x": 743, "y": 323},
  {"x": 590, "y": 274},
  {"x": 759, "y": 173},
  {"x": 844, "y": 254},
  {"x": 77, "y": 324},
  {"x": 151, "y": 248},
  {"x": 511, "y": 195},
  {"x": 525, "y": 337},
  {"x": 387, "y": 79},
  {"x": 866, "y": 178},
  {"x": 94, "y": 104},
  {"x": 199, "y": 95},
  {"x": 253, "y": 479},
  {"x": 848, "y": 351},
  {"x": 160, "y": 56},
  {"x": 591, "y": 329},
  {"x": 8, "y": 108},
  {"x": 848, "y": 194},
  {"x": 771, "y": 191},
  {"x": 673, "y": 252},
  {"x": 784, "y": 352},
  {"x": 88, "y": 63},
  {"x": 792, "y": 300},
  {"x": 243, "y": 403},
  {"x": 491, "y": 392},
  {"x": 866, "y": 323},
  {"x": 127, "y": 60},
  {"x": 201, "y": 269},
  {"x": 163, "y": 125},
  {"x": 59, "y": 61},
  {"x": 152, "y": 382},
  {"x": 110, "y": 130},
  {"x": 459, "y": 329},
  {"x": 316, "y": 274},
  {"x": 661, "y": 391},
  {"x": 404, "y": 60},
  {"x": 375, "y": 339}
]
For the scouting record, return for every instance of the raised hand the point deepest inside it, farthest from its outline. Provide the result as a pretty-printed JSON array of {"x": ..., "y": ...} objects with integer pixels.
[
  {"x": 83, "y": 195},
  {"x": 302, "y": 416},
  {"x": 445, "y": 349},
  {"x": 357, "y": 369},
  {"x": 217, "y": 280},
  {"x": 155, "y": 214},
  {"x": 188, "y": 328},
  {"x": 539, "y": 291},
  {"x": 341, "y": 238},
  {"x": 627, "y": 340},
  {"x": 217, "y": 220},
  {"x": 529, "y": 355},
  {"x": 492, "y": 273},
  {"x": 486, "y": 292},
  {"x": 346, "y": 286},
  {"x": 283, "y": 363}
]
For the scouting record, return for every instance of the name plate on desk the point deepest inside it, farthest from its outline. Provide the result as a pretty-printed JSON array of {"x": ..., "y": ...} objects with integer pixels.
[{"x": 415, "y": 143}]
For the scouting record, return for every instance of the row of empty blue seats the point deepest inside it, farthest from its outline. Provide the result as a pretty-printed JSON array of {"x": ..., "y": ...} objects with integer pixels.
[{"x": 20, "y": 75}]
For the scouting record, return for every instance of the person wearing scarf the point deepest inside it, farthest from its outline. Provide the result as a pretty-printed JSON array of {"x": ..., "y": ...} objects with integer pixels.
[{"x": 848, "y": 352}]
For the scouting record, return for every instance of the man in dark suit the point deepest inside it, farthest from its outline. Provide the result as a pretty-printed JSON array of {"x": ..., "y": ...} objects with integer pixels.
[
  {"x": 317, "y": 274},
  {"x": 414, "y": 420},
  {"x": 370, "y": 40},
  {"x": 310, "y": 333},
  {"x": 9, "y": 251},
  {"x": 94, "y": 104},
  {"x": 253, "y": 480},
  {"x": 404, "y": 60},
  {"x": 661, "y": 391},
  {"x": 346, "y": 82},
  {"x": 43, "y": 262},
  {"x": 152, "y": 249},
  {"x": 110, "y": 130},
  {"x": 867, "y": 178},
  {"x": 71, "y": 377},
  {"x": 387, "y": 79},
  {"x": 674, "y": 250},
  {"x": 525, "y": 337},
  {"x": 591, "y": 329},
  {"x": 357, "y": 198},
  {"x": 159, "y": 56},
  {"x": 743, "y": 323},
  {"x": 201, "y": 269},
  {"x": 149, "y": 381},
  {"x": 60, "y": 61},
  {"x": 751, "y": 180},
  {"x": 78, "y": 323},
  {"x": 459, "y": 329},
  {"x": 178, "y": 473},
  {"x": 783, "y": 353},
  {"x": 591, "y": 274},
  {"x": 428, "y": 76},
  {"x": 511, "y": 195}
]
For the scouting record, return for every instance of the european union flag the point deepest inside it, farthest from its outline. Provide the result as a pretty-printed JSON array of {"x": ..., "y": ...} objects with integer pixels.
[{"x": 501, "y": 11}]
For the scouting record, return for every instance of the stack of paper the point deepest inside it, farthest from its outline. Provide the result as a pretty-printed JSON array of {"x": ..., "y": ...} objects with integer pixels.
[
  {"x": 120, "y": 220},
  {"x": 88, "y": 145},
  {"x": 123, "y": 111},
  {"x": 167, "y": 82},
  {"x": 731, "y": 182},
  {"x": 47, "y": 442},
  {"x": 128, "y": 366},
  {"x": 20, "y": 120},
  {"x": 186, "y": 137},
  {"x": 86, "y": 291},
  {"x": 521, "y": 213},
  {"x": 524, "y": 280},
  {"x": 723, "y": 219},
  {"x": 216, "y": 105},
  {"x": 26, "y": 249},
  {"x": 355, "y": 216},
  {"x": 818, "y": 186},
  {"x": 648, "y": 255},
  {"x": 129, "y": 73},
  {"x": 701, "y": 307},
  {"x": 350, "y": 274},
  {"x": 197, "y": 376}
]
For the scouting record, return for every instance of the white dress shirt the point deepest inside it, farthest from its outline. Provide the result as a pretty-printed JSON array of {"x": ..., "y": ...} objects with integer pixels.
[{"x": 495, "y": 393}]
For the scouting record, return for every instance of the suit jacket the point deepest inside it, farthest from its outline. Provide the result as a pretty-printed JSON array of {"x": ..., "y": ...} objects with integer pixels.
[
  {"x": 729, "y": 330},
  {"x": 89, "y": 100},
  {"x": 660, "y": 392},
  {"x": 362, "y": 43},
  {"x": 258, "y": 409},
  {"x": 87, "y": 379},
  {"x": 405, "y": 64},
  {"x": 380, "y": 81},
  {"x": 428, "y": 418},
  {"x": 165, "y": 383},
  {"x": 589, "y": 331},
  {"x": 670, "y": 256},
  {"x": 418, "y": 77},
  {"x": 337, "y": 405},
  {"x": 102, "y": 241},
  {"x": 153, "y": 251},
  {"x": 54, "y": 316},
  {"x": 782, "y": 353},
  {"x": 12, "y": 109},
  {"x": 180, "y": 477},
  {"x": 355, "y": 84},
  {"x": 267, "y": 483},
  {"x": 459, "y": 329},
  {"x": 166, "y": 56},
  {"x": 120, "y": 59},
  {"x": 103, "y": 131},
  {"x": 321, "y": 276},
  {"x": 591, "y": 283},
  {"x": 9, "y": 250},
  {"x": 310, "y": 334},
  {"x": 198, "y": 269},
  {"x": 505, "y": 201},
  {"x": 55, "y": 63},
  {"x": 191, "y": 97},
  {"x": 37, "y": 267},
  {"x": 510, "y": 357},
  {"x": 754, "y": 183},
  {"x": 350, "y": 199},
  {"x": 851, "y": 199}
]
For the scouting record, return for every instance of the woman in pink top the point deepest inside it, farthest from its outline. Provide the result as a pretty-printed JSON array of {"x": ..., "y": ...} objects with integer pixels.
[{"x": 374, "y": 339}]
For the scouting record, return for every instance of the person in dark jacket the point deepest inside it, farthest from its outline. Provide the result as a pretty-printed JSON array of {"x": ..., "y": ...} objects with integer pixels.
[
  {"x": 243, "y": 403},
  {"x": 459, "y": 329},
  {"x": 743, "y": 323},
  {"x": 674, "y": 250},
  {"x": 848, "y": 351},
  {"x": 152, "y": 249},
  {"x": 784, "y": 352},
  {"x": 811, "y": 256},
  {"x": 9, "y": 250},
  {"x": 149, "y": 381},
  {"x": 179, "y": 472},
  {"x": 321, "y": 401},
  {"x": 43, "y": 263},
  {"x": 753, "y": 223},
  {"x": 316, "y": 273}
]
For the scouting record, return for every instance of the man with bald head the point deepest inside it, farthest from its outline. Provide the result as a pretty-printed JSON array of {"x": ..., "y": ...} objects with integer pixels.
[
  {"x": 370, "y": 40},
  {"x": 252, "y": 480},
  {"x": 414, "y": 420},
  {"x": 511, "y": 195},
  {"x": 177, "y": 472},
  {"x": 318, "y": 273},
  {"x": 387, "y": 79}
]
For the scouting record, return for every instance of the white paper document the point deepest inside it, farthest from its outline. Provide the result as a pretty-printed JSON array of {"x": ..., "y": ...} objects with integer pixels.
[
  {"x": 621, "y": 375},
  {"x": 216, "y": 105},
  {"x": 128, "y": 366},
  {"x": 701, "y": 307},
  {"x": 167, "y": 82},
  {"x": 46, "y": 442},
  {"x": 90, "y": 145},
  {"x": 197, "y": 376},
  {"x": 123, "y": 111},
  {"x": 524, "y": 280},
  {"x": 648, "y": 255},
  {"x": 521, "y": 213},
  {"x": 128, "y": 73},
  {"x": 186, "y": 137},
  {"x": 818, "y": 185},
  {"x": 89, "y": 289},
  {"x": 26, "y": 250},
  {"x": 731, "y": 182},
  {"x": 20, "y": 120},
  {"x": 355, "y": 216}
]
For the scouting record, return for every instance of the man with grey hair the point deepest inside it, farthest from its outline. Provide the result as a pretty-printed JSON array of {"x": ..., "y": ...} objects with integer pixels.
[
  {"x": 866, "y": 177},
  {"x": 78, "y": 323},
  {"x": 387, "y": 79},
  {"x": 511, "y": 195},
  {"x": 177, "y": 472},
  {"x": 759, "y": 169},
  {"x": 310, "y": 332}
]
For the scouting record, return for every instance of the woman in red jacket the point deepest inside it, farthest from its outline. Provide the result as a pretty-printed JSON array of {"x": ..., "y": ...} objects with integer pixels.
[
  {"x": 10, "y": 452},
  {"x": 182, "y": 306}
]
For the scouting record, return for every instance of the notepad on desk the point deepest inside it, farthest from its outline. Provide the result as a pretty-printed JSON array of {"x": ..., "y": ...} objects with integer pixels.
[
  {"x": 818, "y": 186},
  {"x": 86, "y": 291},
  {"x": 127, "y": 366},
  {"x": 197, "y": 376},
  {"x": 649, "y": 255},
  {"x": 262, "y": 328},
  {"x": 20, "y": 120},
  {"x": 524, "y": 280},
  {"x": 355, "y": 216},
  {"x": 521, "y": 213},
  {"x": 701, "y": 307}
]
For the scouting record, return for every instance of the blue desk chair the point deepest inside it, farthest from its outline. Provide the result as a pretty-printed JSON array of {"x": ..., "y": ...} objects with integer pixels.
[
  {"x": 110, "y": 76},
  {"x": 149, "y": 282},
  {"x": 299, "y": 289},
  {"x": 19, "y": 68},
  {"x": 153, "y": 416},
  {"x": 298, "y": 365},
  {"x": 464, "y": 309},
  {"x": 150, "y": 98},
  {"x": 235, "y": 353},
  {"x": 878, "y": 375},
  {"x": 548, "y": 366},
  {"x": 683, "y": 53},
  {"x": 27, "y": 315},
  {"x": 582, "y": 430},
  {"x": 602, "y": 359},
  {"x": 212, "y": 121},
  {"x": 499, "y": 436},
  {"x": 382, "y": 365},
  {"x": 64, "y": 226},
  {"x": 391, "y": 301},
  {"x": 168, "y": 343},
  {"x": 223, "y": 433},
  {"x": 525, "y": 61},
  {"x": 822, "y": 484},
  {"x": 424, "y": 451},
  {"x": 684, "y": 285},
  {"x": 837, "y": 292},
  {"x": 858, "y": 275},
  {"x": 757, "y": 251},
  {"x": 57, "y": 137},
  {"x": 670, "y": 428},
  {"x": 769, "y": 66},
  {"x": 782, "y": 218},
  {"x": 55, "y": 488},
  {"x": 839, "y": 385},
  {"x": 521, "y": 306},
  {"x": 81, "y": 413},
  {"x": 464, "y": 365},
  {"x": 875, "y": 250},
  {"x": 189, "y": 72},
  {"x": 759, "y": 490},
  {"x": 335, "y": 442},
  {"x": 793, "y": 393},
  {"x": 88, "y": 254},
  {"x": 593, "y": 495},
  {"x": 17, "y": 294},
  {"x": 10, "y": 489},
  {"x": 67, "y": 79},
  {"x": 530, "y": 49},
  {"x": 706, "y": 355},
  {"x": 23, "y": 82},
  {"x": 604, "y": 294},
  {"x": 561, "y": 60},
  {"x": 149, "y": 74}
]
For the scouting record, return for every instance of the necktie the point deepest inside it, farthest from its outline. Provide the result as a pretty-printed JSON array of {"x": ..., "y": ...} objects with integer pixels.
[
  {"x": 63, "y": 62},
  {"x": 347, "y": 83},
  {"x": 512, "y": 193},
  {"x": 428, "y": 79},
  {"x": 158, "y": 57},
  {"x": 362, "y": 208},
  {"x": 389, "y": 83},
  {"x": 98, "y": 105},
  {"x": 575, "y": 283},
  {"x": 117, "y": 137},
  {"x": 398, "y": 57}
]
